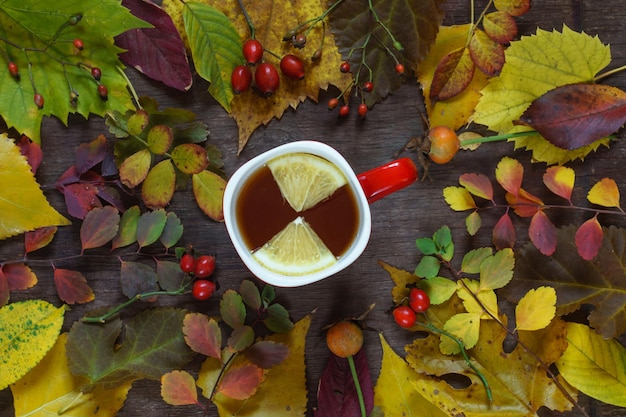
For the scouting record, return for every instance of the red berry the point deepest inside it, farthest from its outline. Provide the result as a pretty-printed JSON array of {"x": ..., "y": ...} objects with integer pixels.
[
  {"x": 344, "y": 67},
  {"x": 14, "y": 70},
  {"x": 266, "y": 79},
  {"x": 362, "y": 110},
  {"x": 299, "y": 41},
  {"x": 399, "y": 68},
  {"x": 187, "y": 263},
  {"x": 78, "y": 44},
  {"x": 444, "y": 144},
  {"x": 205, "y": 265},
  {"x": 39, "y": 100},
  {"x": 344, "y": 110},
  {"x": 96, "y": 73},
  {"x": 241, "y": 79},
  {"x": 292, "y": 67},
  {"x": 252, "y": 51},
  {"x": 404, "y": 316},
  {"x": 419, "y": 300},
  {"x": 202, "y": 289},
  {"x": 103, "y": 92},
  {"x": 368, "y": 86},
  {"x": 333, "y": 103}
]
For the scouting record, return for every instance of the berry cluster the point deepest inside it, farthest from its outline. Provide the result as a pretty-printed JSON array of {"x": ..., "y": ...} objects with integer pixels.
[
  {"x": 201, "y": 268},
  {"x": 406, "y": 315},
  {"x": 266, "y": 79}
]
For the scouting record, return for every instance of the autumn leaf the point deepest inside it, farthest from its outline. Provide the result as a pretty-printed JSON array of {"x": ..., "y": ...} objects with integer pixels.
[
  {"x": 39, "y": 238},
  {"x": 557, "y": 59},
  {"x": 72, "y": 286},
  {"x": 594, "y": 365},
  {"x": 179, "y": 388},
  {"x": 513, "y": 7},
  {"x": 159, "y": 185},
  {"x": 208, "y": 189},
  {"x": 22, "y": 203},
  {"x": 599, "y": 283},
  {"x": 137, "y": 278},
  {"x": 99, "y": 227},
  {"x": 509, "y": 174},
  {"x": 402, "y": 280},
  {"x": 496, "y": 270},
  {"x": 452, "y": 75},
  {"x": 29, "y": 330},
  {"x": 150, "y": 226},
  {"x": 560, "y": 180},
  {"x": 53, "y": 68},
  {"x": 127, "y": 231},
  {"x": 542, "y": 233},
  {"x": 588, "y": 238},
  {"x": 536, "y": 309},
  {"x": 15, "y": 276},
  {"x": 477, "y": 184},
  {"x": 500, "y": 26},
  {"x": 504, "y": 235},
  {"x": 487, "y": 54},
  {"x": 459, "y": 198},
  {"x": 466, "y": 327},
  {"x": 50, "y": 387},
  {"x": 605, "y": 193}
]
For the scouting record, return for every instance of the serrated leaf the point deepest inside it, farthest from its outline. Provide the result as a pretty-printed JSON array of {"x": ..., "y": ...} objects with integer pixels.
[
  {"x": 39, "y": 238},
  {"x": 477, "y": 300},
  {"x": 426, "y": 245},
  {"x": 172, "y": 232},
  {"x": 536, "y": 309},
  {"x": 22, "y": 203},
  {"x": 504, "y": 235},
  {"x": 18, "y": 276},
  {"x": 179, "y": 388},
  {"x": 509, "y": 174},
  {"x": 427, "y": 267},
  {"x": 240, "y": 338},
  {"x": 136, "y": 123},
  {"x": 240, "y": 383},
  {"x": 402, "y": 279},
  {"x": 150, "y": 226},
  {"x": 576, "y": 115},
  {"x": 474, "y": 258},
  {"x": 466, "y": 327},
  {"x": 487, "y": 54},
  {"x": 605, "y": 193},
  {"x": 157, "y": 52},
  {"x": 278, "y": 319},
  {"x": 99, "y": 227},
  {"x": 588, "y": 238},
  {"x": 203, "y": 335},
  {"x": 513, "y": 7},
  {"x": 452, "y": 75},
  {"x": 473, "y": 223},
  {"x": 560, "y": 180},
  {"x": 458, "y": 198},
  {"x": 127, "y": 232},
  {"x": 72, "y": 286},
  {"x": 159, "y": 139},
  {"x": 190, "y": 158},
  {"x": 232, "y": 309},
  {"x": 439, "y": 289},
  {"x": 208, "y": 189},
  {"x": 91, "y": 154},
  {"x": 500, "y": 26},
  {"x": 524, "y": 204},
  {"x": 594, "y": 365},
  {"x": 159, "y": 185},
  {"x": 478, "y": 185},
  {"x": 250, "y": 294},
  {"x": 542, "y": 233},
  {"x": 137, "y": 278},
  {"x": 496, "y": 271},
  {"x": 29, "y": 330},
  {"x": 135, "y": 168}
]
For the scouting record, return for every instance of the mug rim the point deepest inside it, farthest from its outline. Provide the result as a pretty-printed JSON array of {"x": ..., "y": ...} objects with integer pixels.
[{"x": 235, "y": 183}]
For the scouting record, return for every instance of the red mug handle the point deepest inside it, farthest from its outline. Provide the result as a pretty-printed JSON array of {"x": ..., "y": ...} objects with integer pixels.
[{"x": 387, "y": 178}]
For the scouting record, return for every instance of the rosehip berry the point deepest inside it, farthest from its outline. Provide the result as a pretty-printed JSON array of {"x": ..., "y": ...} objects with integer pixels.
[
  {"x": 96, "y": 73},
  {"x": 266, "y": 79},
  {"x": 444, "y": 144},
  {"x": 39, "y": 101},
  {"x": 14, "y": 70},
  {"x": 344, "y": 110},
  {"x": 187, "y": 263},
  {"x": 252, "y": 51},
  {"x": 78, "y": 44},
  {"x": 368, "y": 86},
  {"x": 292, "y": 67},
  {"x": 344, "y": 67},
  {"x": 202, "y": 289},
  {"x": 404, "y": 316},
  {"x": 362, "y": 109},
  {"x": 344, "y": 339},
  {"x": 333, "y": 103},
  {"x": 299, "y": 41},
  {"x": 205, "y": 265},
  {"x": 74, "y": 19},
  {"x": 103, "y": 92},
  {"x": 419, "y": 300},
  {"x": 317, "y": 55},
  {"x": 241, "y": 79},
  {"x": 399, "y": 68}
]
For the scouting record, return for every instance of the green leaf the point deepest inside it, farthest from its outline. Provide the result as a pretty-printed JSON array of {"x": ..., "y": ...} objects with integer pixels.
[
  {"x": 277, "y": 319},
  {"x": 439, "y": 289},
  {"x": 250, "y": 294},
  {"x": 215, "y": 48},
  {"x": 426, "y": 245},
  {"x": 232, "y": 309},
  {"x": 190, "y": 158},
  {"x": 496, "y": 271},
  {"x": 137, "y": 278},
  {"x": 594, "y": 365},
  {"x": 169, "y": 275},
  {"x": 99, "y": 227},
  {"x": 208, "y": 188},
  {"x": 127, "y": 232},
  {"x": 427, "y": 267},
  {"x": 241, "y": 338},
  {"x": 473, "y": 223},
  {"x": 29, "y": 330},
  {"x": 158, "y": 188},
  {"x": 474, "y": 258},
  {"x": 153, "y": 345},
  {"x": 150, "y": 226},
  {"x": 33, "y": 24},
  {"x": 159, "y": 139},
  {"x": 172, "y": 232}
]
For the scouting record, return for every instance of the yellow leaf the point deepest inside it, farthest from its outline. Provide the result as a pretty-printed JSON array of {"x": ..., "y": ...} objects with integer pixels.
[
  {"x": 402, "y": 279},
  {"x": 458, "y": 198},
  {"x": 208, "y": 189},
  {"x": 50, "y": 389},
  {"x": 29, "y": 330},
  {"x": 158, "y": 188},
  {"x": 392, "y": 393},
  {"x": 536, "y": 309},
  {"x": 486, "y": 296},
  {"x": 604, "y": 193},
  {"x": 465, "y": 326},
  {"x": 456, "y": 111},
  {"x": 134, "y": 169},
  {"x": 23, "y": 206},
  {"x": 594, "y": 365}
]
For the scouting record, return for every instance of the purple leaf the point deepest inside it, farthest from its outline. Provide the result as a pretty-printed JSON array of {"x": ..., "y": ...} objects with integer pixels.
[
  {"x": 157, "y": 52},
  {"x": 91, "y": 154}
]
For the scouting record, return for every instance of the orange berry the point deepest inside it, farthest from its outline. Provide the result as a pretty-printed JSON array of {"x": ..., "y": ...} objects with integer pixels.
[
  {"x": 444, "y": 144},
  {"x": 344, "y": 339}
]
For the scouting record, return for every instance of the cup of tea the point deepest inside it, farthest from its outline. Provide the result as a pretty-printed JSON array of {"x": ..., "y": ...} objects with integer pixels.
[{"x": 298, "y": 213}]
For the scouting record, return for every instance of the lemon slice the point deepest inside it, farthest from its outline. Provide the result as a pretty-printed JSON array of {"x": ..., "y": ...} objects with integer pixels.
[
  {"x": 295, "y": 250},
  {"x": 305, "y": 179}
]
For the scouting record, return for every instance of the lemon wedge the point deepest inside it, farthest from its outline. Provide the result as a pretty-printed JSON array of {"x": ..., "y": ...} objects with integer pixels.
[
  {"x": 295, "y": 250},
  {"x": 305, "y": 179}
]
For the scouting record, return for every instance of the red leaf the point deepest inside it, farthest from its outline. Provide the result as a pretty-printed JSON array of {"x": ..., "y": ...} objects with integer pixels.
[
  {"x": 39, "y": 238},
  {"x": 504, "y": 233},
  {"x": 4, "y": 289},
  {"x": 91, "y": 154},
  {"x": 524, "y": 204},
  {"x": 99, "y": 227},
  {"x": 80, "y": 199},
  {"x": 452, "y": 75},
  {"x": 32, "y": 151},
  {"x": 179, "y": 388},
  {"x": 560, "y": 180},
  {"x": 500, "y": 26},
  {"x": 203, "y": 335},
  {"x": 157, "y": 52},
  {"x": 543, "y": 233},
  {"x": 242, "y": 382},
  {"x": 513, "y": 7},
  {"x": 477, "y": 184},
  {"x": 72, "y": 287},
  {"x": 576, "y": 115},
  {"x": 266, "y": 353},
  {"x": 19, "y": 276},
  {"x": 588, "y": 239}
]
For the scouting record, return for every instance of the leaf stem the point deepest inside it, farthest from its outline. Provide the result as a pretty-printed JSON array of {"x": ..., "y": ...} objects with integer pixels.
[
  {"x": 248, "y": 19},
  {"x": 496, "y": 138},
  {"x": 357, "y": 386},
  {"x": 610, "y": 72}
]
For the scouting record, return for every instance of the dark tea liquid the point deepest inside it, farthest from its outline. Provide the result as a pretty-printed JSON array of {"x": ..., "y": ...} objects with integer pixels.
[{"x": 261, "y": 212}]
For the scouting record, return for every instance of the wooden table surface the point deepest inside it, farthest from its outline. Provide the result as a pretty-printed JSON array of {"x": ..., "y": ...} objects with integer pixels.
[{"x": 398, "y": 219}]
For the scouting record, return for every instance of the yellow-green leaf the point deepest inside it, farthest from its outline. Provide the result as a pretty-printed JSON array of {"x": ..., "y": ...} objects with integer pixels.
[
  {"x": 134, "y": 169},
  {"x": 536, "y": 309},
  {"x": 488, "y": 299},
  {"x": 465, "y": 326},
  {"x": 401, "y": 279},
  {"x": 158, "y": 188},
  {"x": 50, "y": 389},
  {"x": 458, "y": 198},
  {"x": 208, "y": 188},
  {"x": 29, "y": 330},
  {"x": 394, "y": 395},
  {"x": 23, "y": 206},
  {"x": 159, "y": 139},
  {"x": 594, "y": 365},
  {"x": 604, "y": 193},
  {"x": 496, "y": 271}
]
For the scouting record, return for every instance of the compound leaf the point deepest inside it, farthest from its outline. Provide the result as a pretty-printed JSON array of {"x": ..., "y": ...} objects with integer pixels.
[
  {"x": 542, "y": 233},
  {"x": 452, "y": 75},
  {"x": 99, "y": 227},
  {"x": 477, "y": 184},
  {"x": 504, "y": 235},
  {"x": 560, "y": 180},
  {"x": 604, "y": 193},
  {"x": 588, "y": 238},
  {"x": 150, "y": 226},
  {"x": 159, "y": 185},
  {"x": 179, "y": 388},
  {"x": 458, "y": 198},
  {"x": 487, "y": 54}
]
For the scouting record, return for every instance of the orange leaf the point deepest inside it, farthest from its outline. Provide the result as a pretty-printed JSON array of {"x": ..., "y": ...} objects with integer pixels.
[
  {"x": 203, "y": 335},
  {"x": 487, "y": 54},
  {"x": 179, "y": 388},
  {"x": 560, "y": 180},
  {"x": 39, "y": 238},
  {"x": 509, "y": 174},
  {"x": 504, "y": 233},
  {"x": 453, "y": 74},
  {"x": 604, "y": 193},
  {"x": 543, "y": 233},
  {"x": 242, "y": 382},
  {"x": 72, "y": 286},
  {"x": 513, "y": 7},
  {"x": 524, "y": 204},
  {"x": 19, "y": 276},
  {"x": 588, "y": 239},
  {"x": 477, "y": 184},
  {"x": 500, "y": 26}
]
